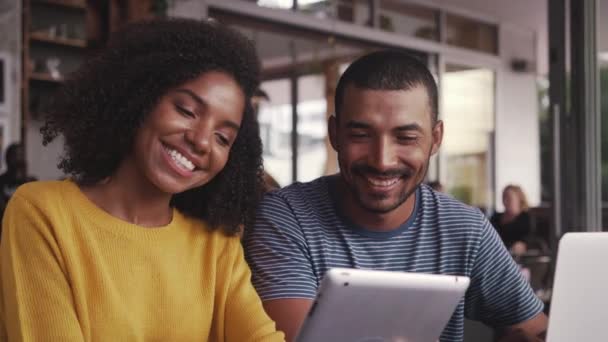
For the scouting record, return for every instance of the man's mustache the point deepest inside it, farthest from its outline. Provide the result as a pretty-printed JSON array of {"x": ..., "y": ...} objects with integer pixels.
[{"x": 364, "y": 169}]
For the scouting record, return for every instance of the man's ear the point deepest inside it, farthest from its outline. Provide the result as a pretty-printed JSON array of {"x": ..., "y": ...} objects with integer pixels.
[
  {"x": 332, "y": 131},
  {"x": 437, "y": 136}
]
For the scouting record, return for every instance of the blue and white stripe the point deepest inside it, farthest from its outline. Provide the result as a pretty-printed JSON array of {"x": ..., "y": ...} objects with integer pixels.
[{"x": 299, "y": 234}]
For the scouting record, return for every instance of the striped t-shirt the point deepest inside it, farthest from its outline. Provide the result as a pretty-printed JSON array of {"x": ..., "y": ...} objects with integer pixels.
[{"x": 299, "y": 234}]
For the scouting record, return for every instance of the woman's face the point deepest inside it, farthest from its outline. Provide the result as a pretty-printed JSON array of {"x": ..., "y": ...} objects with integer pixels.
[
  {"x": 186, "y": 140},
  {"x": 511, "y": 201}
]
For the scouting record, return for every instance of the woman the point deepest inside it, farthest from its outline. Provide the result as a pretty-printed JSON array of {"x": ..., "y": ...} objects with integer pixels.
[
  {"x": 513, "y": 225},
  {"x": 140, "y": 244}
]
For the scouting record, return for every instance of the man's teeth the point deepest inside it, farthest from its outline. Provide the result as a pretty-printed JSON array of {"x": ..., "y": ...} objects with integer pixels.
[
  {"x": 181, "y": 160},
  {"x": 382, "y": 182}
]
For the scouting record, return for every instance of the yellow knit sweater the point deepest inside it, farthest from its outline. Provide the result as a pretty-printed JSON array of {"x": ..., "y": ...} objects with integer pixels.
[{"x": 70, "y": 271}]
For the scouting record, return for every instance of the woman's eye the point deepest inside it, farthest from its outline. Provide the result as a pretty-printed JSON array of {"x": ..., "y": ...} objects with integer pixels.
[
  {"x": 223, "y": 140},
  {"x": 184, "y": 111}
]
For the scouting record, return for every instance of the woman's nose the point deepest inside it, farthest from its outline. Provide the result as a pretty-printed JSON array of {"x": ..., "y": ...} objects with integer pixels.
[{"x": 199, "y": 136}]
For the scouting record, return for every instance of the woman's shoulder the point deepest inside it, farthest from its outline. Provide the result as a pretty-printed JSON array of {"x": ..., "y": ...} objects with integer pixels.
[{"x": 42, "y": 191}]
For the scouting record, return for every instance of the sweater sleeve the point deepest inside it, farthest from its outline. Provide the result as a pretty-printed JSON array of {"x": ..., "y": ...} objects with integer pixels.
[
  {"x": 243, "y": 318},
  {"x": 36, "y": 301}
]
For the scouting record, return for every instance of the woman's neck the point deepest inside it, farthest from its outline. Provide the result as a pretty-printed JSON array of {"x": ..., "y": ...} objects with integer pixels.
[{"x": 132, "y": 198}]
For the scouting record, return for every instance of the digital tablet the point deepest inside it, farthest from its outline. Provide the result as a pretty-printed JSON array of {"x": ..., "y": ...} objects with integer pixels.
[{"x": 355, "y": 305}]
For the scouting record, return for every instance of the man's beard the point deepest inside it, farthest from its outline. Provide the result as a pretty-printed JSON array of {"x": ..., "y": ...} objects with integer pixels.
[{"x": 404, "y": 173}]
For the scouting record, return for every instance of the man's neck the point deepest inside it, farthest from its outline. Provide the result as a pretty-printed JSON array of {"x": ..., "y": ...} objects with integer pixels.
[{"x": 374, "y": 221}]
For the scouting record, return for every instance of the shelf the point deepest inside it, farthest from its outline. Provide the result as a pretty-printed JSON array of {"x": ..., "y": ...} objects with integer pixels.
[
  {"x": 44, "y": 77},
  {"x": 46, "y": 38},
  {"x": 72, "y": 4}
]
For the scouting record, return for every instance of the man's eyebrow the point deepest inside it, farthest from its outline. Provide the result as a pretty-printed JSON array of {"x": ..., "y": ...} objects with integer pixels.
[
  {"x": 353, "y": 124},
  {"x": 409, "y": 127},
  {"x": 195, "y": 97},
  {"x": 357, "y": 124}
]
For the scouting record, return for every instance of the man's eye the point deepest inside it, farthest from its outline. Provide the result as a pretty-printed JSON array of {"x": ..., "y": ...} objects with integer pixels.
[
  {"x": 358, "y": 135},
  {"x": 407, "y": 138}
]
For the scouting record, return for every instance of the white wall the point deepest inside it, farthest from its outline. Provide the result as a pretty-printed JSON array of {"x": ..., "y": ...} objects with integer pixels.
[
  {"x": 42, "y": 160},
  {"x": 517, "y": 121}
]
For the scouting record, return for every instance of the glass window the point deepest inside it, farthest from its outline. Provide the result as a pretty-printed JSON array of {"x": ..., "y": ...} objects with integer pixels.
[
  {"x": 471, "y": 34},
  {"x": 274, "y": 117},
  {"x": 409, "y": 19},
  {"x": 467, "y": 147},
  {"x": 281, "y": 4},
  {"x": 350, "y": 11},
  {"x": 312, "y": 127}
]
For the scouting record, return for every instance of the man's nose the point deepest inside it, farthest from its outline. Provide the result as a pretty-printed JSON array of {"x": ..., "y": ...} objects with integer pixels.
[{"x": 383, "y": 156}]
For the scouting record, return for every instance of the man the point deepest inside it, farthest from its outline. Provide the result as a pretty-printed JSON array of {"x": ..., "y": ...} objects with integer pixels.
[{"x": 377, "y": 213}]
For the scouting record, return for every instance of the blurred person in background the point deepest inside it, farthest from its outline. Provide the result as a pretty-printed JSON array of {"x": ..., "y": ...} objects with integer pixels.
[
  {"x": 436, "y": 185},
  {"x": 15, "y": 175},
  {"x": 514, "y": 224}
]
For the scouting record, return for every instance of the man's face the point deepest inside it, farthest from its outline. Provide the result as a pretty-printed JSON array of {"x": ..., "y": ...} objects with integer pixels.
[{"x": 384, "y": 140}]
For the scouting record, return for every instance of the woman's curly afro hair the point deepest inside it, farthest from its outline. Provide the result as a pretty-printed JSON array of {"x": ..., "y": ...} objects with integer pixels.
[{"x": 101, "y": 106}]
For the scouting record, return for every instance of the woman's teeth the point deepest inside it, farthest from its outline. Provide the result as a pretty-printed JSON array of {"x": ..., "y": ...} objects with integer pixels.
[{"x": 181, "y": 160}]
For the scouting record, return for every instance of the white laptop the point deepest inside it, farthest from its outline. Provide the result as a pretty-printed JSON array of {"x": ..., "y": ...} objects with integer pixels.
[
  {"x": 354, "y": 305},
  {"x": 579, "y": 304}
]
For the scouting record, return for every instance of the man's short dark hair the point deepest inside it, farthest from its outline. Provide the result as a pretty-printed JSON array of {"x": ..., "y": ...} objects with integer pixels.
[{"x": 388, "y": 70}]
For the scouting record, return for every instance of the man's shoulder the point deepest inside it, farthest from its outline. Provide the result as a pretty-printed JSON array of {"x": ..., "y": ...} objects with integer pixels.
[
  {"x": 301, "y": 193},
  {"x": 447, "y": 209}
]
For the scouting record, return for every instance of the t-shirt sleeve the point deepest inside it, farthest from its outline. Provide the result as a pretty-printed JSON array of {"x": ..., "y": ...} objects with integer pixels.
[
  {"x": 499, "y": 295},
  {"x": 277, "y": 253}
]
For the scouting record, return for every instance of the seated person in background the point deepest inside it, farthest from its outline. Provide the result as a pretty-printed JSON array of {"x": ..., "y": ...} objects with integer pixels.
[
  {"x": 377, "y": 214},
  {"x": 436, "y": 185},
  {"x": 514, "y": 224},
  {"x": 15, "y": 175},
  {"x": 141, "y": 245}
]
